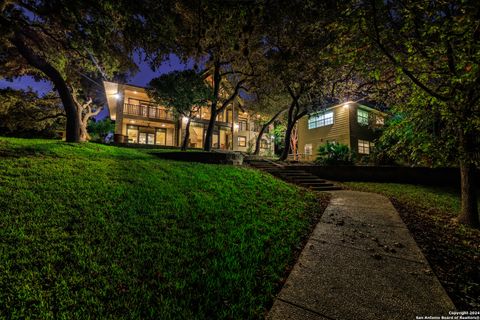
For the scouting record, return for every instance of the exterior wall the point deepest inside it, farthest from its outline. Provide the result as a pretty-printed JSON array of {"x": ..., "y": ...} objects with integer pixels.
[
  {"x": 130, "y": 107},
  {"x": 339, "y": 132},
  {"x": 363, "y": 132}
]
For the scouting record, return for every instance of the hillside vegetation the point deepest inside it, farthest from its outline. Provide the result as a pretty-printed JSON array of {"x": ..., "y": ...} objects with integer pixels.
[{"x": 93, "y": 231}]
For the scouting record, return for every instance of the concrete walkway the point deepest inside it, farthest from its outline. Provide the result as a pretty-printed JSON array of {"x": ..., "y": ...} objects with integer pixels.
[{"x": 361, "y": 263}]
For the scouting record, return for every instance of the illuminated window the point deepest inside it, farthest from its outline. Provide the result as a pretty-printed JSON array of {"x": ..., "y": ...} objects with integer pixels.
[
  {"x": 362, "y": 117},
  {"x": 161, "y": 137},
  {"x": 242, "y": 141},
  {"x": 364, "y": 146},
  {"x": 132, "y": 133},
  {"x": 320, "y": 120}
]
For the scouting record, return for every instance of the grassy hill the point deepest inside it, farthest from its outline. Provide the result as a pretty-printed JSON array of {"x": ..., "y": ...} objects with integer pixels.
[{"x": 92, "y": 231}]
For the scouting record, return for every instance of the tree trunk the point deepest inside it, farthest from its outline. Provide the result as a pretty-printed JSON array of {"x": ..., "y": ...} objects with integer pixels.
[
  {"x": 207, "y": 145},
  {"x": 293, "y": 141},
  {"x": 288, "y": 132},
  {"x": 262, "y": 131},
  {"x": 469, "y": 214},
  {"x": 187, "y": 136},
  {"x": 84, "y": 136},
  {"x": 73, "y": 125},
  {"x": 288, "y": 136}
]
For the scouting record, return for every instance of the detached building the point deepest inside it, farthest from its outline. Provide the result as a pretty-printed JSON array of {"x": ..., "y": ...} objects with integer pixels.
[
  {"x": 353, "y": 124},
  {"x": 139, "y": 121}
]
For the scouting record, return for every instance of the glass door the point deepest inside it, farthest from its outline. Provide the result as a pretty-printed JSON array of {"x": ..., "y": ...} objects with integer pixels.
[
  {"x": 161, "y": 138},
  {"x": 142, "y": 137},
  {"x": 150, "y": 138}
]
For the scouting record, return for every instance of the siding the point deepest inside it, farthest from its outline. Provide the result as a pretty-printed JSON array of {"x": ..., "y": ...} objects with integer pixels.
[
  {"x": 362, "y": 132},
  {"x": 339, "y": 131}
]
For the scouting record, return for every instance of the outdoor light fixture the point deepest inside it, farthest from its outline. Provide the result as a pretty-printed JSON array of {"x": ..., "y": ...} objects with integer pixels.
[
  {"x": 235, "y": 126},
  {"x": 346, "y": 105},
  {"x": 184, "y": 119},
  {"x": 163, "y": 124},
  {"x": 117, "y": 96}
]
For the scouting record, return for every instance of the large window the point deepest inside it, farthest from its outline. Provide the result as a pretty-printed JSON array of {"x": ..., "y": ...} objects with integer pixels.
[
  {"x": 161, "y": 137},
  {"x": 364, "y": 146},
  {"x": 320, "y": 120},
  {"x": 132, "y": 133},
  {"x": 362, "y": 117},
  {"x": 242, "y": 141}
]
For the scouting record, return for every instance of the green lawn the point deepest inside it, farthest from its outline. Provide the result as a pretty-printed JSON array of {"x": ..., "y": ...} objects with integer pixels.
[
  {"x": 92, "y": 231},
  {"x": 452, "y": 250}
]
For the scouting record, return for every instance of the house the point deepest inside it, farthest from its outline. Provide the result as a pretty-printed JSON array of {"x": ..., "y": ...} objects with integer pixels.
[
  {"x": 139, "y": 121},
  {"x": 353, "y": 124}
]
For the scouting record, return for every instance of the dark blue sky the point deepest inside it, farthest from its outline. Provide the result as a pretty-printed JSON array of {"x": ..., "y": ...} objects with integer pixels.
[{"x": 141, "y": 78}]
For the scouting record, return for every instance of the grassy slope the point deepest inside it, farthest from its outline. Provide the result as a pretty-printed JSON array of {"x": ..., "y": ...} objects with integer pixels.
[
  {"x": 453, "y": 250},
  {"x": 97, "y": 231}
]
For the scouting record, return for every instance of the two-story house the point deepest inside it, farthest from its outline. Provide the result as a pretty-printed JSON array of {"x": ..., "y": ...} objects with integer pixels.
[
  {"x": 139, "y": 121},
  {"x": 353, "y": 124}
]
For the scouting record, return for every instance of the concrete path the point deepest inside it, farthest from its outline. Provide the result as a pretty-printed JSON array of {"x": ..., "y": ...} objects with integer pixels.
[{"x": 361, "y": 263}]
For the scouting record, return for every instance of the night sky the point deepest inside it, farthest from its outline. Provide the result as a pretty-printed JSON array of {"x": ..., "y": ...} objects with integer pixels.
[{"x": 144, "y": 75}]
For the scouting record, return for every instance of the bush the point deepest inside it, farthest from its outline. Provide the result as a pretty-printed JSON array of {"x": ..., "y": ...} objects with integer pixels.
[{"x": 334, "y": 153}]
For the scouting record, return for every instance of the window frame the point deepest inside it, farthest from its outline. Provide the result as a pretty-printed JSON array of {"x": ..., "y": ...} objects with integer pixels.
[
  {"x": 244, "y": 144},
  {"x": 363, "y": 145},
  {"x": 321, "y": 119},
  {"x": 363, "y": 119}
]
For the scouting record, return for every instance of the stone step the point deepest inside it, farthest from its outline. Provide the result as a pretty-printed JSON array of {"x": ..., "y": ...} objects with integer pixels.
[
  {"x": 327, "y": 188},
  {"x": 315, "y": 184},
  {"x": 302, "y": 178},
  {"x": 298, "y": 173}
]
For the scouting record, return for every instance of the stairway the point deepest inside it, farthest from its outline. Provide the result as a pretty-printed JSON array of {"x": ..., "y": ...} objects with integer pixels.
[{"x": 298, "y": 177}]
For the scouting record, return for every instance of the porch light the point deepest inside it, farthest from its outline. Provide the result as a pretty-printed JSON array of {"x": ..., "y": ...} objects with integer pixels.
[
  {"x": 117, "y": 96},
  {"x": 235, "y": 126}
]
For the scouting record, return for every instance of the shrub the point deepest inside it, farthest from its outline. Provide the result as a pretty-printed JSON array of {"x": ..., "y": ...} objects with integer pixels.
[{"x": 334, "y": 153}]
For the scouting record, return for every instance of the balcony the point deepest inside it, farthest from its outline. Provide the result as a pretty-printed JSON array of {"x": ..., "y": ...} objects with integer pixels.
[{"x": 146, "y": 111}]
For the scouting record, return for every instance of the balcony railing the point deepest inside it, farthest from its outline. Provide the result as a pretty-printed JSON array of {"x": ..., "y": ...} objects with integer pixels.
[{"x": 147, "y": 111}]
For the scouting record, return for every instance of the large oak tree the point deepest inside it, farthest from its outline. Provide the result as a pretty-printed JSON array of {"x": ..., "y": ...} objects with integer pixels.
[
  {"x": 435, "y": 45},
  {"x": 61, "y": 41}
]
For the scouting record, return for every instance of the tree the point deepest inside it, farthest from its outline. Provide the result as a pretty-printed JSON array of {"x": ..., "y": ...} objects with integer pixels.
[
  {"x": 300, "y": 42},
  {"x": 86, "y": 109},
  {"x": 269, "y": 102},
  {"x": 183, "y": 91},
  {"x": 24, "y": 113},
  {"x": 221, "y": 36},
  {"x": 435, "y": 46},
  {"x": 60, "y": 41}
]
